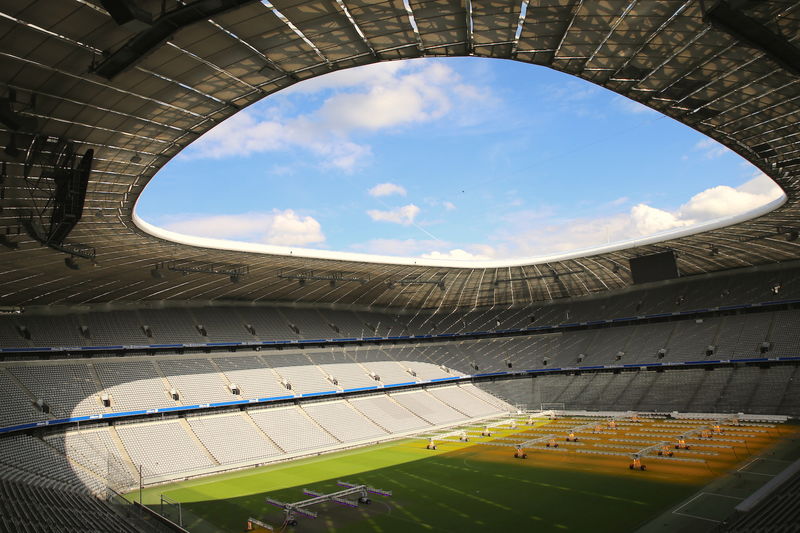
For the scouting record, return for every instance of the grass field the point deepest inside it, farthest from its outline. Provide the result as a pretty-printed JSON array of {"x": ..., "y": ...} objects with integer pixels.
[{"x": 458, "y": 488}]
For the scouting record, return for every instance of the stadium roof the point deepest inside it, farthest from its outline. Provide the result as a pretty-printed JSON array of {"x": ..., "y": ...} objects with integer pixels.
[{"x": 139, "y": 86}]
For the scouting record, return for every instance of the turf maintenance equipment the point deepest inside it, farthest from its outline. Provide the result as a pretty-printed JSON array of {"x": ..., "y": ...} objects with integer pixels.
[{"x": 300, "y": 508}]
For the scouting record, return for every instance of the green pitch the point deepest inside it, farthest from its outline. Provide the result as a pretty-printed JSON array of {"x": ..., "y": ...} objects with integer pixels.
[{"x": 459, "y": 489}]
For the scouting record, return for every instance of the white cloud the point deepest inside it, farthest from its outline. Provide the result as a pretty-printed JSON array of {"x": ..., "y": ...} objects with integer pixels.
[
  {"x": 365, "y": 99},
  {"x": 710, "y": 148},
  {"x": 631, "y": 106},
  {"x": 244, "y": 134},
  {"x": 456, "y": 254},
  {"x": 279, "y": 227},
  {"x": 401, "y": 215},
  {"x": 397, "y": 247},
  {"x": 387, "y": 189},
  {"x": 640, "y": 221},
  {"x": 449, "y": 205},
  {"x": 619, "y": 201}
]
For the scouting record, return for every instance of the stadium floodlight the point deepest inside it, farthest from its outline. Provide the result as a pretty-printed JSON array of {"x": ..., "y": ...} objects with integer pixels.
[
  {"x": 332, "y": 277},
  {"x": 234, "y": 271},
  {"x": 439, "y": 282},
  {"x": 553, "y": 274}
]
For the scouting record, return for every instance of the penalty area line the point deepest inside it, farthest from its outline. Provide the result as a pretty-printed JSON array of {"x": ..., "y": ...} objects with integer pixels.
[{"x": 677, "y": 511}]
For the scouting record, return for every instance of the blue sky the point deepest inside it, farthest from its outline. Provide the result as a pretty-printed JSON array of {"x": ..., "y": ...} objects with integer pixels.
[{"x": 460, "y": 158}]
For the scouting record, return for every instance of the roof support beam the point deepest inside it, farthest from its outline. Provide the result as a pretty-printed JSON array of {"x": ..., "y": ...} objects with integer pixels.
[
  {"x": 727, "y": 18},
  {"x": 146, "y": 41}
]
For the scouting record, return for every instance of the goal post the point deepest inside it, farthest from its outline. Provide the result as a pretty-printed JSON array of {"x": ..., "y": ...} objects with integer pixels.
[
  {"x": 171, "y": 509},
  {"x": 552, "y": 406}
]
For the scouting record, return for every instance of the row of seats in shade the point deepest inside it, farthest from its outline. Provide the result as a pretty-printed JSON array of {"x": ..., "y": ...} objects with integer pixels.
[{"x": 237, "y": 324}]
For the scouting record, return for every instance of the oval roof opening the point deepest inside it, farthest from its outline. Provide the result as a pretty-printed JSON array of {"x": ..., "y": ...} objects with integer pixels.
[{"x": 460, "y": 161}]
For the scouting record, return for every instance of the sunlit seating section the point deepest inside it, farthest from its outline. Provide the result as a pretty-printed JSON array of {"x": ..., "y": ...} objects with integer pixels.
[
  {"x": 231, "y": 438},
  {"x": 349, "y": 375},
  {"x": 254, "y": 377},
  {"x": 388, "y": 414},
  {"x": 488, "y": 398},
  {"x": 390, "y": 372},
  {"x": 197, "y": 381},
  {"x": 162, "y": 448},
  {"x": 291, "y": 429},
  {"x": 463, "y": 401},
  {"x": 429, "y": 371},
  {"x": 427, "y": 407},
  {"x": 133, "y": 385},
  {"x": 304, "y": 377},
  {"x": 343, "y": 422}
]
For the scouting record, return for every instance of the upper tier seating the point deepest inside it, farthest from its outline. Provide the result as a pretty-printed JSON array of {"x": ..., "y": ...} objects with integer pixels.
[
  {"x": 389, "y": 414},
  {"x": 163, "y": 447},
  {"x": 232, "y": 438},
  {"x": 69, "y": 390},
  {"x": 343, "y": 422},
  {"x": 427, "y": 407},
  {"x": 291, "y": 429}
]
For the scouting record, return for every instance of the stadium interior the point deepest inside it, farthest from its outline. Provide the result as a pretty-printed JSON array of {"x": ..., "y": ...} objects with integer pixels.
[{"x": 129, "y": 361}]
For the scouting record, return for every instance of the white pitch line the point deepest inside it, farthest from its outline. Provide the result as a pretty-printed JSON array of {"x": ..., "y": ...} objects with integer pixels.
[
  {"x": 743, "y": 471},
  {"x": 676, "y": 511},
  {"x": 722, "y": 495},
  {"x": 697, "y": 517}
]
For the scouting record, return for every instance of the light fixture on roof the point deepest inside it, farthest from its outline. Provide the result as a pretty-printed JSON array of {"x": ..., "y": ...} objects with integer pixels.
[
  {"x": 136, "y": 159},
  {"x": 713, "y": 251},
  {"x": 128, "y": 15}
]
